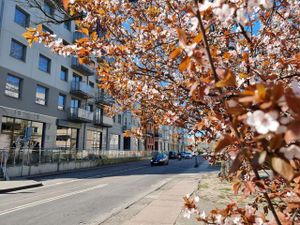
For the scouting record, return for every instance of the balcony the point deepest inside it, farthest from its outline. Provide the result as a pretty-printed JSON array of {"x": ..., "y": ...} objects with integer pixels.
[
  {"x": 81, "y": 115},
  {"x": 103, "y": 121},
  {"x": 78, "y": 35},
  {"x": 82, "y": 68},
  {"x": 127, "y": 127},
  {"x": 102, "y": 98},
  {"x": 81, "y": 89},
  {"x": 158, "y": 135}
]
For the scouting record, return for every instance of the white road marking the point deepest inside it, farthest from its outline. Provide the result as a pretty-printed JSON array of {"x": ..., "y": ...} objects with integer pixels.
[
  {"x": 47, "y": 200},
  {"x": 81, "y": 178}
]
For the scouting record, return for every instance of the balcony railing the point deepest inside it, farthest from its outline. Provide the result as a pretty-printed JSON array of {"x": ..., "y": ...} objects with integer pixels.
[
  {"x": 82, "y": 68},
  {"x": 78, "y": 35},
  {"x": 81, "y": 89},
  {"x": 127, "y": 127},
  {"x": 104, "y": 99},
  {"x": 82, "y": 115},
  {"x": 102, "y": 120}
]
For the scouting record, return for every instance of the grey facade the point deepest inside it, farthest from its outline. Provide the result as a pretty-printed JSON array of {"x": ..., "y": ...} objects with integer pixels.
[{"x": 87, "y": 118}]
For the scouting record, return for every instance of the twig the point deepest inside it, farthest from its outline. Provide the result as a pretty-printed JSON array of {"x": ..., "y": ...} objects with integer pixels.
[{"x": 206, "y": 45}]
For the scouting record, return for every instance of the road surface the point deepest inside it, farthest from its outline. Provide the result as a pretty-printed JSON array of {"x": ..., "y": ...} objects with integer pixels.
[{"x": 87, "y": 197}]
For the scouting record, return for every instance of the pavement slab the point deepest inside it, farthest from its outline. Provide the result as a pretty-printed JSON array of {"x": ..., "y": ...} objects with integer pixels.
[{"x": 165, "y": 209}]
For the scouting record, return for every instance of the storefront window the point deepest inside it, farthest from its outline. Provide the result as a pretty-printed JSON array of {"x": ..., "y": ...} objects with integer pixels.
[
  {"x": 15, "y": 131},
  {"x": 66, "y": 138},
  {"x": 94, "y": 140},
  {"x": 114, "y": 142}
]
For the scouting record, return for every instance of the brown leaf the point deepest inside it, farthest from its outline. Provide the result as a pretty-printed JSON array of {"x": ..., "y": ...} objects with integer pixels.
[
  {"x": 292, "y": 100},
  {"x": 282, "y": 167},
  {"x": 198, "y": 38},
  {"x": 221, "y": 144},
  {"x": 175, "y": 53},
  {"x": 278, "y": 91},
  {"x": 184, "y": 64},
  {"x": 261, "y": 92},
  {"x": 293, "y": 132},
  {"x": 182, "y": 36},
  {"x": 276, "y": 141},
  {"x": 228, "y": 81},
  {"x": 236, "y": 164},
  {"x": 235, "y": 187}
]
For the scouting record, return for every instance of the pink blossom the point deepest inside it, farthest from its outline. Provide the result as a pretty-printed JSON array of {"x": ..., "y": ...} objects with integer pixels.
[{"x": 263, "y": 122}]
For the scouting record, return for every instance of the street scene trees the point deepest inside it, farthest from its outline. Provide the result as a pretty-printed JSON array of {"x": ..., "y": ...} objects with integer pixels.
[{"x": 226, "y": 71}]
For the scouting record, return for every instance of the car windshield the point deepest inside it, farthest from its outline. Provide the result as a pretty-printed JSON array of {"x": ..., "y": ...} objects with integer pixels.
[{"x": 160, "y": 156}]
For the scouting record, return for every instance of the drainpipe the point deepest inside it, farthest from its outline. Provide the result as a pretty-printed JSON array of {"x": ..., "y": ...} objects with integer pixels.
[
  {"x": 84, "y": 136},
  {"x": 1, "y": 13},
  {"x": 107, "y": 144}
]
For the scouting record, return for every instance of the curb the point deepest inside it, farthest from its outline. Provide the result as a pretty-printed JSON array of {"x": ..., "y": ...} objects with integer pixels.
[{"x": 2, "y": 191}]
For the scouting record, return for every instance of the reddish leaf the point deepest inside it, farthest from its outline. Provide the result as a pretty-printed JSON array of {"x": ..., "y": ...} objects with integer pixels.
[
  {"x": 292, "y": 100},
  {"x": 221, "y": 144},
  {"x": 293, "y": 133}
]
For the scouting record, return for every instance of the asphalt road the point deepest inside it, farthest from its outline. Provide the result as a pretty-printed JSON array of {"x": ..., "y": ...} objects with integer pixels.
[{"x": 87, "y": 197}]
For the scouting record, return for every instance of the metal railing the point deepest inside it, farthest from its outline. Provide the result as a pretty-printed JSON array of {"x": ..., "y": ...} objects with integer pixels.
[
  {"x": 29, "y": 156},
  {"x": 81, "y": 88},
  {"x": 82, "y": 68},
  {"x": 81, "y": 114}
]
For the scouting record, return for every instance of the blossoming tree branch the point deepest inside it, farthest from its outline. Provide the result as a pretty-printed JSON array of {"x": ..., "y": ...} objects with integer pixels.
[{"x": 228, "y": 70}]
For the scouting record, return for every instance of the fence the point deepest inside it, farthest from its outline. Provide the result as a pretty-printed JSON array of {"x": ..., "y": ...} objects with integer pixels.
[{"x": 28, "y": 156}]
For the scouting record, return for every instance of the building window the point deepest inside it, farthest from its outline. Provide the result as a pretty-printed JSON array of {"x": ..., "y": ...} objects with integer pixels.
[
  {"x": 46, "y": 29},
  {"x": 21, "y": 17},
  {"x": 61, "y": 102},
  {"x": 89, "y": 107},
  {"x": 114, "y": 142},
  {"x": 119, "y": 119},
  {"x": 91, "y": 84},
  {"x": 75, "y": 103},
  {"x": 18, "y": 50},
  {"x": 13, "y": 86},
  {"x": 64, "y": 74},
  {"x": 14, "y": 130},
  {"x": 67, "y": 138},
  {"x": 114, "y": 119},
  {"x": 67, "y": 25},
  {"x": 44, "y": 63},
  {"x": 41, "y": 95},
  {"x": 94, "y": 140},
  {"x": 48, "y": 8}
]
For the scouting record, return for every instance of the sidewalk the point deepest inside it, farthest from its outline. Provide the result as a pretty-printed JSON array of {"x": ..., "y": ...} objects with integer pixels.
[
  {"x": 168, "y": 203},
  {"x": 15, "y": 185}
]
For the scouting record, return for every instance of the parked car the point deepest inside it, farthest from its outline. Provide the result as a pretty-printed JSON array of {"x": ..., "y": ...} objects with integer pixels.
[
  {"x": 159, "y": 159},
  {"x": 172, "y": 155},
  {"x": 186, "y": 155}
]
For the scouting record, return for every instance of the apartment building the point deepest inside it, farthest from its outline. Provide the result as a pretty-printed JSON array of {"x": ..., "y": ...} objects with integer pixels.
[
  {"x": 47, "y": 100},
  {"x": 51, "y": 101}
]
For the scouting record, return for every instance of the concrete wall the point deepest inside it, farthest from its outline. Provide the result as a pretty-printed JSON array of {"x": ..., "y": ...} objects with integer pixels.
[{"x": 51, "y": 168}]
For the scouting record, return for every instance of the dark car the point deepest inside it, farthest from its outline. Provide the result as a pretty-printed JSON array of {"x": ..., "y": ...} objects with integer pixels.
[
  {"x": 186, "y": 155},
  {"x": 172, "y": 155},
  {"x": 159, "y": 159}
]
